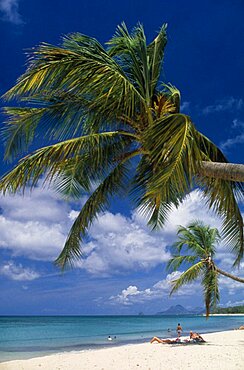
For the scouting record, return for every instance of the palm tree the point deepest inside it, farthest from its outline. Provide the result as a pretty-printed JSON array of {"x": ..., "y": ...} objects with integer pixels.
[
  {"x": 198, "y": 242},
  {"x": 110, "y": 123}
]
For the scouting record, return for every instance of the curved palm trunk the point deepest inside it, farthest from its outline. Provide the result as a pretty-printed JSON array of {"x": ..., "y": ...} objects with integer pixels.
[
  {"x": 229, "y": 275},
  {"x": 225, "y": 171}
]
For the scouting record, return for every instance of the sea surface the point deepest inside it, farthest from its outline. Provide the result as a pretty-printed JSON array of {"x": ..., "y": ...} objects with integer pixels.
[{"x": 30, "y": 336}]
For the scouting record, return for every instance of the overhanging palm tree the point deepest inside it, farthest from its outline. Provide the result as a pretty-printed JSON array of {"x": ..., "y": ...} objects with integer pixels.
[
  {"x": 197, "y": 242},
  {"x": 111, "y": 123}
]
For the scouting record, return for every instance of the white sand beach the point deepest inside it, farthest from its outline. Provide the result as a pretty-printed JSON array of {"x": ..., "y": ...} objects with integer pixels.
[{"x": 223, "y": 350}]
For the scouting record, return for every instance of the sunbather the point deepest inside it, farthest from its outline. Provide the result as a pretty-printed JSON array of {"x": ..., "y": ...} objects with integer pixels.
[
  {"x": 196, "y": 337},
  {"x": 159, "y": 340}
]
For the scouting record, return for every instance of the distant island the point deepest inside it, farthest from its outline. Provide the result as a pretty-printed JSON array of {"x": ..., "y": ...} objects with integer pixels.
[
  {"x": 180, "y": 310},
  {"x": 226, "y": 310}
]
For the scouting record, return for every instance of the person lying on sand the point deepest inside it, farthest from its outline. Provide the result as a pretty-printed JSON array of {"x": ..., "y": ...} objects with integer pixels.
[
  {"x": 158, "y": 340},
  {"x": 196, "y": 337}
]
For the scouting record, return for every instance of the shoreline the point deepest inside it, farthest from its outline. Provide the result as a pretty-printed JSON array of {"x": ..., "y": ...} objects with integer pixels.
[
  {"x": 109, "y": 345},
  {"x": 223, "y": 350},
  {"x": 225, "y": 314}
]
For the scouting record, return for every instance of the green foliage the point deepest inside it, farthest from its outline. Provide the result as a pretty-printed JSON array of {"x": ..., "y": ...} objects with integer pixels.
[
  {"x": 234, "y": 309},
  {"x": 100, "y": 107},
  {"x": 198, "y": 243}
]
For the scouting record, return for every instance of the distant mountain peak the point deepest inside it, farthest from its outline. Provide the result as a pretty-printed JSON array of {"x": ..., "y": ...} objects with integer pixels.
[{"x": 180, "y": 310}]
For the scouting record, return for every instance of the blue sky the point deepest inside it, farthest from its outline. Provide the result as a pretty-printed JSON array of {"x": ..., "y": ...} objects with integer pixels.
[{"x": 124, "y": 268}]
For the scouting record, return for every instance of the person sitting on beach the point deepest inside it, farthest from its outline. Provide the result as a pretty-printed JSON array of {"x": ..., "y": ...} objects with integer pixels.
[
  {"x": 158, "y": 340},
  {"x": 179, "y": 330},
  {"x": 196, "y": 337}
]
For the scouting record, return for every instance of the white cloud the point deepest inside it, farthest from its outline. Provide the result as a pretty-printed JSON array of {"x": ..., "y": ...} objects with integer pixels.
[
  {"x": 10, "y": 11},
  {"x": 185, "y": 106},
  {"x": 162, "y": 288},
  {"x": 132, "y": 294},
  {"x": 226, "y": 104},
  {"x": 118, "y": 243},
  {"x": 231, "y": 286},
  {"x": 233, "y": 303},
  {"x": 238, "y": 139},
  {"x": 238, "y": 126},
  {"x": 18, "y": 272},
  {"x": 42, "y": 204},
  {"x": 237, "y": 123},
  {"x": 34, "y": 225}
]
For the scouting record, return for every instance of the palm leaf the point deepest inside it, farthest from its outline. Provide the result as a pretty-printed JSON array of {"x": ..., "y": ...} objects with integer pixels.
[
  {"x": 54, "y": 159},
  {"x": 81, "y": 66},
  {"x": 191, "y": 274},
  {"x": 221, "y": 196},
  {"x": 155, "y": 51},
  {"x": 176, "y": 261},
  {"x": 191, "y": 241},
  {"x": 96, "y": 203},
  {"x": 171, "y": 149},
  {"x": 211, "y": 290},
  {"x": 75, "y": 178},
  {"x": 18, "y": 132},
  {"x": 130, "y": 50}
]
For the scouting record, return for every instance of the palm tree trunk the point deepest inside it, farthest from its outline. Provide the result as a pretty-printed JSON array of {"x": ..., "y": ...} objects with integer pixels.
[
  {"x": 229, "y": 275},
  {"x": 225, "y": 171}
]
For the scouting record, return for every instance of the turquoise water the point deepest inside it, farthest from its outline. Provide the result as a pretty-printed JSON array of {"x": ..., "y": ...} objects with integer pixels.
[{"x": 29, "y": 336}]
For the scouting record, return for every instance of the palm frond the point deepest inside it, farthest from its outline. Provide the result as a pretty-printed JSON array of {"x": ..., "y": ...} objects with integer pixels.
[
  {"x": 191, "y": 274},
  {"x": 176, "y": 261},
  {"x": 155, "y": 51},
  {"x": 189, "y": 240},
  {"x": 211, "y": 290},
  {"x": 171, "y": 149},
  {"x": 96, "y": 203},
  {"x": 81, "y": 66},
  {"x": 53, "y": 159},
  {"x": 153, "y": 209},
  {"x": 75, "y": 178},
  {"x": 220, "y": 196},
  {"x": 18, "y": 132},
  {"x": 130, "y": 50},
  {"x": 173, "y": 95}
]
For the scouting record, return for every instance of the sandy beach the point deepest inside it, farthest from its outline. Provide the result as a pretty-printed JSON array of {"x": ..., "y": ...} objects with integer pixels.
[{"x": 223, "y": 350}]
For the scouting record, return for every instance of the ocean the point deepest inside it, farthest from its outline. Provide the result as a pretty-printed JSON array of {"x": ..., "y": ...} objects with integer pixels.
[{"x": 23, "y": 337}]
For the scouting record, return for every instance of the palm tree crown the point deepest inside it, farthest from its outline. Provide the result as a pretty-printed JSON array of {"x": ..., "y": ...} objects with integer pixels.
[
  {"x": 198, "y": 244},
  {"x": 107, "y": 114}
]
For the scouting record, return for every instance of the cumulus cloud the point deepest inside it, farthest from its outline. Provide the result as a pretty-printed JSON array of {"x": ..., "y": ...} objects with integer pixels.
[
  {"x": 227, "y": 104},
  {"x": 18, "y": 272},
  {"x": 162, "y": 288},
  {"x": 119, "y": 243},
  {"x": 231, "y": 286},
  {"x": 34, "y": 225},
  {"x": 37, "y": 225},
  {"x": 10, "y": 11},
  {"x": 133, "y": 295}
]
